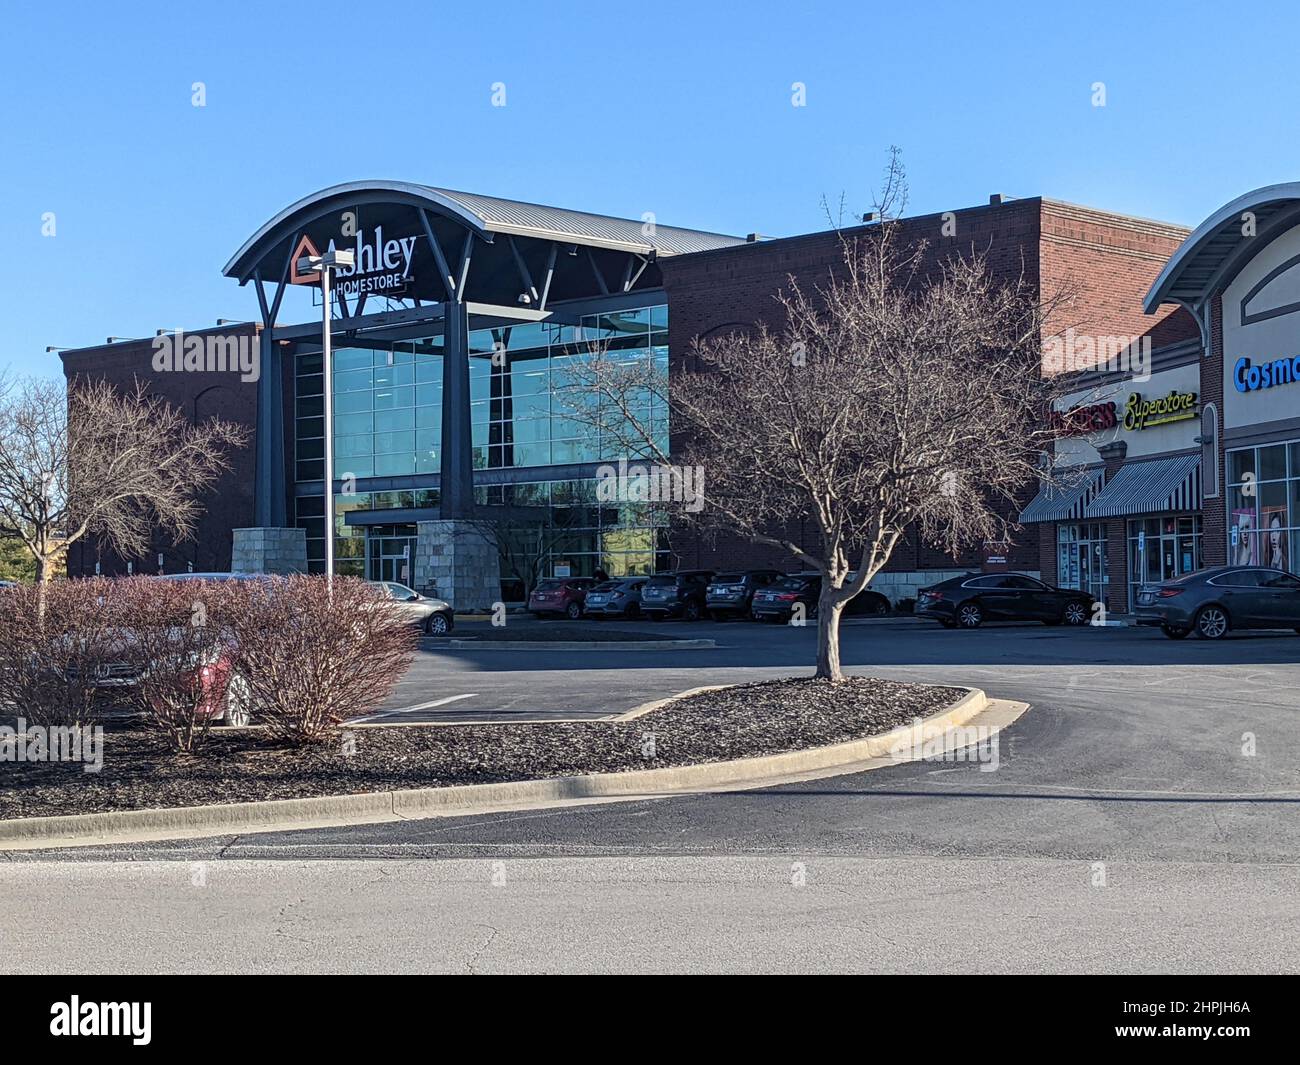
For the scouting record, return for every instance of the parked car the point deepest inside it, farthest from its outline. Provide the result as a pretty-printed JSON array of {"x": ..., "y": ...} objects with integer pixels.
[
  {"x": 560, "y": 595},
  {"x": 730, "y": 594},
  {"x": 777, "y": 601},
  {"x": 435, "y": 616},
  {"x": 615, "y": 599},
  {"x": 1212, "y": 602},
  {"x": 676, "y": 595},
  {"x": 974, "y": 598}
]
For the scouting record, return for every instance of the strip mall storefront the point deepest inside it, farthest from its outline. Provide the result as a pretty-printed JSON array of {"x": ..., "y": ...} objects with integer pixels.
[
  {"x": 1127, "y": 508},
  {"x": 1239, "y": 275}
]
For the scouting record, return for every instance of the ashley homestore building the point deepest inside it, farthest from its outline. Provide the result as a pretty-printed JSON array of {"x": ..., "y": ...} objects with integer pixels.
[{"x": 451, "y": 339}]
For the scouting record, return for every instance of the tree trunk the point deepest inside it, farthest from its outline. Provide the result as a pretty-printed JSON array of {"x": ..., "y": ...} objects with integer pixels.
[
  {"x": 829, "y": 608},
  {"x": 42, "y": 582}
]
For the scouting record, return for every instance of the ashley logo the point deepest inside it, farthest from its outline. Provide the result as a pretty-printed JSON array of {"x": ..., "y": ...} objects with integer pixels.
[{"x": 382, "y": 267}]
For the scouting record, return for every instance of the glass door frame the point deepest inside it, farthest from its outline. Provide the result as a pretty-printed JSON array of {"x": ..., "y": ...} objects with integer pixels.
[{"x": 388, "y": 565}]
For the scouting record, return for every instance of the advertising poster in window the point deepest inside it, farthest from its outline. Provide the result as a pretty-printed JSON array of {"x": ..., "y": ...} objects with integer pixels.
[
  {"x": 1273, "y": 537},
  {"x": 1243, "y": 542}
]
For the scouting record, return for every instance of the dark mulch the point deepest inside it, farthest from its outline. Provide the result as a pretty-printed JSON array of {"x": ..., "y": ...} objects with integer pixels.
[{"x": 239, "y": 766}]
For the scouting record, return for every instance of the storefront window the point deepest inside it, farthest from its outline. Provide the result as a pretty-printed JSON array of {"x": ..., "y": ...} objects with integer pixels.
[
  {"x": 1082, "y": 558},
  {"x": 519, "y": 414},
  {"x": 1264, "y": 505},
  {"x": 1160, "y": 549}
]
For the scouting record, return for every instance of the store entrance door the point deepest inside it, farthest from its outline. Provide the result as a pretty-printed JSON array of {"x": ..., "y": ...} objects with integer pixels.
[
  {"x": 390, "y": 553},
  {"x": 1161, "y": 549}
]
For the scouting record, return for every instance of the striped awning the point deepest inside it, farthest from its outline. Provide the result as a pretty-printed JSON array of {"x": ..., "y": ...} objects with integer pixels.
[
  {"x": 1064, "y": 501},
  {"x": 1154, "y": 487}
]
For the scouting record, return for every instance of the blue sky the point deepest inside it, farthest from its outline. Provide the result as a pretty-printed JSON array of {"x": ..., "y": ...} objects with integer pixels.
[{"x": 683, "y": 109}]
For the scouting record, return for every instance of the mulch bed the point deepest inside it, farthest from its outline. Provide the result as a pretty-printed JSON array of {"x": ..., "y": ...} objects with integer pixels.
[{"x": 242, "y": 766}]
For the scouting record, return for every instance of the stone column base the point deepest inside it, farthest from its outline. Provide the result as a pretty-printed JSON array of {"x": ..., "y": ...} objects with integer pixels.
[
  {"x": 269, "y": 550},
  {"x": 455, "y": 561}
]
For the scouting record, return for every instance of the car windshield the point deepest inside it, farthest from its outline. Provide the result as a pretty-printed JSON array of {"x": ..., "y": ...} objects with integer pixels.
[
  {"x": 549, "y": 585},
  {"x": 664, "y": 580},
  {"x": 791, "y": 584},
  {"x": 606, "y": 586},
  {"x": 729, "y": 578}
]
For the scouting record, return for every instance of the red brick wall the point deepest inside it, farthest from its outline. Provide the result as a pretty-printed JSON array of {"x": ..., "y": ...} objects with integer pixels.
[
  {"x": 229, "y": 504},
  {"x": 1107, "y": 261}
]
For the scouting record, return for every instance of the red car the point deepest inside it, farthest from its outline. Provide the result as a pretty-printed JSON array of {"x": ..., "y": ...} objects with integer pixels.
[{"x": 560, "y": 595}]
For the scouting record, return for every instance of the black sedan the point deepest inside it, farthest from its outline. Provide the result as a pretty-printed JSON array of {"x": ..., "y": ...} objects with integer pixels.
[
  {"x": 1210, "y": 602},
  {"x": 970, "y": 600},
  {"x": 777, "y": 601}
]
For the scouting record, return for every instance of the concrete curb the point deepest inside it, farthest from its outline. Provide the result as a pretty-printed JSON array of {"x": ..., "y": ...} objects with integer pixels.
[
  {"x": 30, "y": 833},
  {"x": 576, "y": 645}
]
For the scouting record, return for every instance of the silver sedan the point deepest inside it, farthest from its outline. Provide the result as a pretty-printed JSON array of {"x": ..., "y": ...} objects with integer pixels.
[{"x": 433, "y": 615}]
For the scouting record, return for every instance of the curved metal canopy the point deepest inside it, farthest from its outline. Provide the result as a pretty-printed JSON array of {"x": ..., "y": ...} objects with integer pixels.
[
  {"x": 1220, "y": 246},
  {"x": 484, "y": 215}
]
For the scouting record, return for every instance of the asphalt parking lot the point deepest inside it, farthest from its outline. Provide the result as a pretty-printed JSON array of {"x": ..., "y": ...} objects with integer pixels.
[
  {"x": 1142, "y": 816},
  {"x": 501, "y": 682}
]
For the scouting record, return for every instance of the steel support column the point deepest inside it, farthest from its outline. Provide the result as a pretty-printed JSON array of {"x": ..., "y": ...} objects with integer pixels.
[
  {"x": 456, "y": 482},
  {"x": 269, "y": 493}
]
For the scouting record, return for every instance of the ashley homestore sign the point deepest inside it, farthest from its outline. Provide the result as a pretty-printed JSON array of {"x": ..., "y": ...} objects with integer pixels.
[{"x": 381, "y": 267}]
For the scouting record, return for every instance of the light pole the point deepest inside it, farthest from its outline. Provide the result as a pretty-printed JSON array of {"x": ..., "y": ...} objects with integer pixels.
[{"x": 325, "y": 265}]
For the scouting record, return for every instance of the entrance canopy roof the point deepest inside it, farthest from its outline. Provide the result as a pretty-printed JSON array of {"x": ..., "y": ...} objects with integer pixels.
[
  {"x": 1222, "y": 244},
  {"x": 484, "y": 248}
]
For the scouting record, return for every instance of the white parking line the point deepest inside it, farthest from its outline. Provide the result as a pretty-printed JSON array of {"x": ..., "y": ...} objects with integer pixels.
[{"x": 412, "y": 709}]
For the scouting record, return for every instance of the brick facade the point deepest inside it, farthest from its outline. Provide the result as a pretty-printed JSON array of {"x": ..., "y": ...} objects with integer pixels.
[
  {"x": 1106, "y": 261},
  {"x": 201, "y": 395},
  {"x": 1214, "y": 519}
]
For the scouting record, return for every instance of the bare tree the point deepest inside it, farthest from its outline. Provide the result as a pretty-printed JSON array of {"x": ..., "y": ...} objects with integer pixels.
[
  {"x": 899, "y": 393},
  {"x": 525, "y": 546},
  {"x": 91, "y": 462}
]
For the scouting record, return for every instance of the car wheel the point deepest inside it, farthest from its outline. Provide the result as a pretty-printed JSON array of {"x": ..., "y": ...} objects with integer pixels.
[
  {"x": 1175, "y": 634},
  {"x": 573, "y": 611},
  {"x": 1075, "y": 613},
  {"x": 969, "y": 615},
  {"x": 633, "y": 610},
  {"x": 1211, "y": 623},
  {"x": 692, "y": 611},
  {"x": 438, "y": 624},
  {"x": 877, "y": 606},
  {"x": 238, "y": 702}
]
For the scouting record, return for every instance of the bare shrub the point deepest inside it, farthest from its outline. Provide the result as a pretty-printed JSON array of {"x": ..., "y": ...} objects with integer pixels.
[
  {"x": 314, "y": 657},
  {"x": 182, "y": 648},
  {"x": 59, "y": 644}
]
